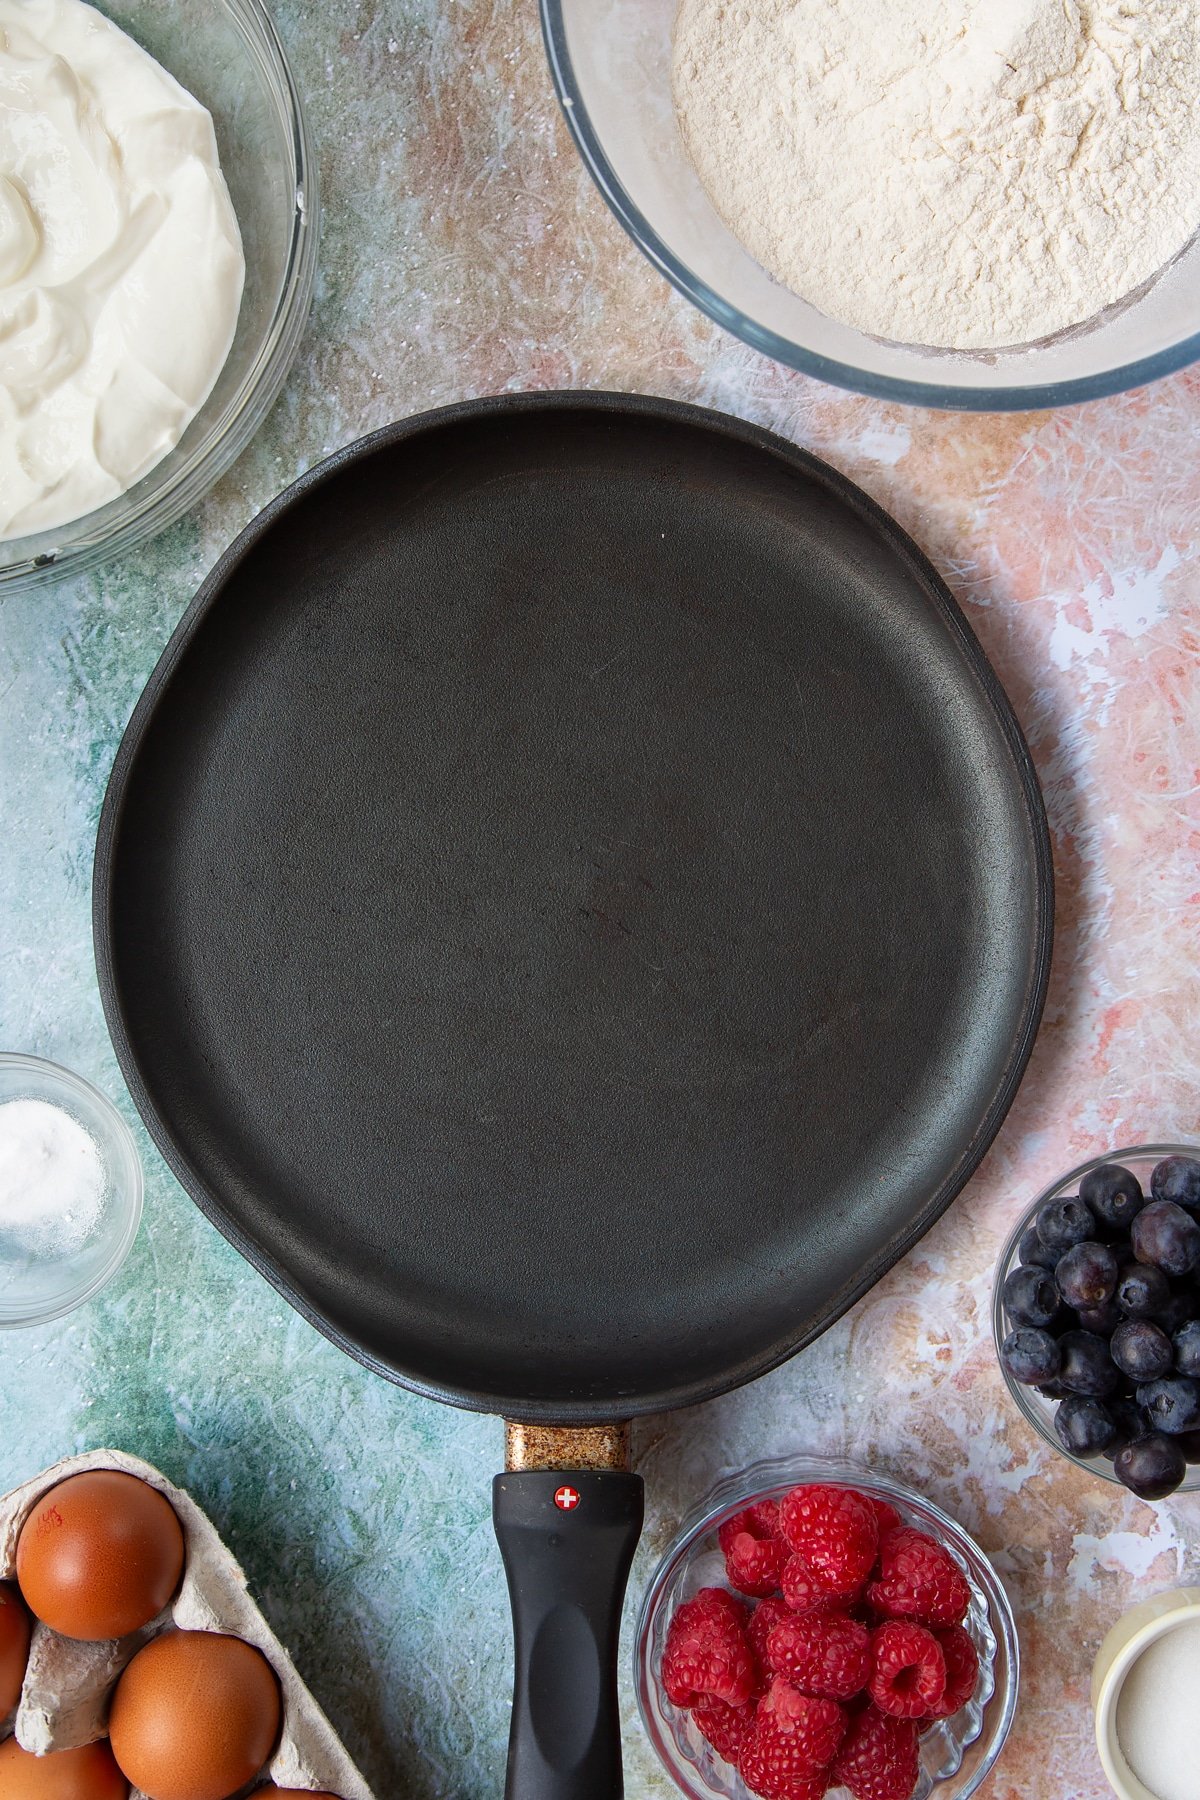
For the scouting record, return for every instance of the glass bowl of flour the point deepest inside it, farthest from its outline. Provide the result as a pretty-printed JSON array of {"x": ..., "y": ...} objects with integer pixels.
[
  {"x": 70, "y": 1191},
  {"x": 990, "y": 206},
  {"x": 228, "y": 58}
]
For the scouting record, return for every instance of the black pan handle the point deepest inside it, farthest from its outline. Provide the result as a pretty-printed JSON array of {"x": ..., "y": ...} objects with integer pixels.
[{"x": 567, "y": 1538}]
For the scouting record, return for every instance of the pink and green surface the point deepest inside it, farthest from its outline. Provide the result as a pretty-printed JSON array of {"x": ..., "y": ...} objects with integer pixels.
[{"x": 465, "y": 251}]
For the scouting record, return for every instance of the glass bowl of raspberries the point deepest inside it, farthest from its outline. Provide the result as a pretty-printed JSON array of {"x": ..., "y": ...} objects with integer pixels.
[
  {"x": 1096, "y": 1311},
  {"x": 818, "y": 1629}
]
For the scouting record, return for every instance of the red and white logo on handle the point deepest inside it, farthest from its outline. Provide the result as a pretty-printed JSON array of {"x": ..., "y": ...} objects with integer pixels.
[{"x": 567, "y": 1499}]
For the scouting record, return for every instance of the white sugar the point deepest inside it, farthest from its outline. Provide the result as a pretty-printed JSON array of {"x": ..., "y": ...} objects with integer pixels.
[
  {"x": 1156, "y": 1714},
  {"x": 52, "y": 1181}
]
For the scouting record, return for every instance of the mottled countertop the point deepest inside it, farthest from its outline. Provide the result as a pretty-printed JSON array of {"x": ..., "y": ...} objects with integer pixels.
[{"x": 465, "y": 252}]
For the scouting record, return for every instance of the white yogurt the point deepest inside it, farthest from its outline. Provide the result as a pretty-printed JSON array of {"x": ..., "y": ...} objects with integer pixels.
[{"x": 121, "y": 266}]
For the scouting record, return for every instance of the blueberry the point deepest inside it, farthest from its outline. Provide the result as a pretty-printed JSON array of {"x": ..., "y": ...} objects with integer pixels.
[
  {"x": 1086, "y": 1366},
  {"x": 1031, "y": 1250},
  {"x": 1086, "y": 1275},
  {"x": 1030, "y": 1297},
  {"x": 1030, "y": 1356},
  {"x": 1103, "y": 1320},
  {"x": 1141, "y": 1290},
  {"x": 1189, "y": 1443},
  {"x": 1061, "y": 1223},
  {"x": 1168, "y": 1237},
  {"x": 1177, "y": 1310},
  {"x": 1084, "y": 1425},
  {"x": 1187, "y": 1348},
  {"x": 1140, "y": 1350},
  {"x": 1129, "y": 1422},
  {"x": 1051, "y": 1390},
  {"x": 1173, "y": 1405},
  {"x": 1114, "y": 1195},
  {"x": 1177, "y": 1178},
  {"x": 1151, "y": 1467}
]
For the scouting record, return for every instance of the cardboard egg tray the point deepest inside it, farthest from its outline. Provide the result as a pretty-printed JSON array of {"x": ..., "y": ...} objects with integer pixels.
[{"x": 68, "y": 1684}]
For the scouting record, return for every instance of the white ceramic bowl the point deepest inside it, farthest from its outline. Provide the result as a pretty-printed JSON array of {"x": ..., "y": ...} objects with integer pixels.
[
  {"x": 36, "y": 1290},
  {"x": 1133, "y": 1633}
]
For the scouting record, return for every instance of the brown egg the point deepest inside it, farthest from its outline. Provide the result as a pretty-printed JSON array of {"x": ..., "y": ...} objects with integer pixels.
[
  {"x": 15, "y": 1627},
  {"x": 87, "y": 1774},
  {"x": 195, "y": 1716},
  {"x": 100, "y": 1555}
]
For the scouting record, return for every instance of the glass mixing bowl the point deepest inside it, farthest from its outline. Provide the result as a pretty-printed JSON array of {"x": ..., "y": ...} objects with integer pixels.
[
  {"x": 611, "y": 63},
  {"x": 1037, "y": 1409},
  {"x": 226, "y": 53},
  {"x": 36, "y": 1287},
  {"x": 956, "y": 1754}
]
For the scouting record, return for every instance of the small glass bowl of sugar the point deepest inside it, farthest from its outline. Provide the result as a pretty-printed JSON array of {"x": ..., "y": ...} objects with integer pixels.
[
  {"x": 1144, "y": 1686},
  {"x": 70, "y": 1191}
]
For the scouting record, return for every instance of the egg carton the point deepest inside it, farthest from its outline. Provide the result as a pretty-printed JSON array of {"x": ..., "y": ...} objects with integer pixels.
[{"x": 68, "y": 1684}]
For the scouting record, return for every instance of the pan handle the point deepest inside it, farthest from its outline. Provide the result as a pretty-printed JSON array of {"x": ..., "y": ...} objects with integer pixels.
[{"x": 567, "y": 1536}]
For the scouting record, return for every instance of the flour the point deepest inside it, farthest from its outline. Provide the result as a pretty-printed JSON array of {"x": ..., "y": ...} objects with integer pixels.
[
  {"x": 52, "y": 1181},
  {"x": 963, "y": 173}
]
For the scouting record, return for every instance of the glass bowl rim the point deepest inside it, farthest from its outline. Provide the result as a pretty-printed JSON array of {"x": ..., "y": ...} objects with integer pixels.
[
  {"x": 734, "y": 1488},
  {"x": 1096, "y": 1467},
  {"x": 128, "y": 1180},
  {"x": 944, "y": 396},
  {"x": 259, "y": 388}
]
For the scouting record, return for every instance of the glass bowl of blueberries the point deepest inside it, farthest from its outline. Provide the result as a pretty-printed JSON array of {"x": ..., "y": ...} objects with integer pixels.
[{"x": 1096, "y": 1311}]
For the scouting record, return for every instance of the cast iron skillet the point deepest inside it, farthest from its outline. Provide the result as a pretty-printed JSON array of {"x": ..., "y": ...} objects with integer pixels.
[{"x": 572, "y": 905}]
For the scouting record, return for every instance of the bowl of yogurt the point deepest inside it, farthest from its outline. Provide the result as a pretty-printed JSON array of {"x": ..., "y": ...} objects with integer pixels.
[
  {"x": 70, "y": 1191},
  {"x": 157, "y": 255}
]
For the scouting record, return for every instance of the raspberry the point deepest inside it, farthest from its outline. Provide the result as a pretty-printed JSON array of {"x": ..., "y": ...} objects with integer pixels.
[
  {"x": 886, "y": 1516},
  {"x": 763, "y": 1621},
  {"x": 909, "y": 1678},
  {"x": 754, "y": 1553},
  {"x": 918, "y": 1579},
  {"x": 720, "y": 1603},
  {"x": 962, "y": 1671},
  {"x": 804, "y": 1591},
  {"x": 726, "y": 1727},
  {"x": 822, "y": 1653},
  {"x": 812, "y": 1727},
  {"x": 764, "y": 1774},
  {"x": 762, "y": 1517},
  {"x": 708, "y": 1652},
  {"x": 880, "y": 1757},
  {"x": 794, "y": 1738},
  {"x": 835, "y": 1531}
]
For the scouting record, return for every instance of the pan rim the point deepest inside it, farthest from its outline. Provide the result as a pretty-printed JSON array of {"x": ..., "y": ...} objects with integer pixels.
[{"x": 609, "y": 1406}]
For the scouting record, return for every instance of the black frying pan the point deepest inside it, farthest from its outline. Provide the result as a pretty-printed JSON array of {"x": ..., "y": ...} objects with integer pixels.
[{"x": 573, "y": 905}]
